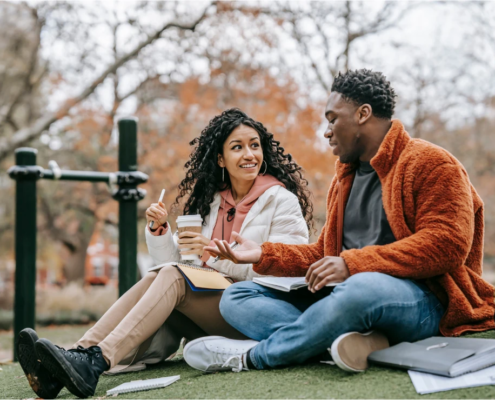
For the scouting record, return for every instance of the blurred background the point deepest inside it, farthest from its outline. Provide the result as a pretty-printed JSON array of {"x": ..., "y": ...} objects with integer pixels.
[{"x": 68, "y": 70}]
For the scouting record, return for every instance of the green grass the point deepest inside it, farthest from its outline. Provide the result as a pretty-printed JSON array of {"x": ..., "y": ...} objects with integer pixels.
[
  {"x": 307, "y": 381},
  {"x": 64, "y": 335}
]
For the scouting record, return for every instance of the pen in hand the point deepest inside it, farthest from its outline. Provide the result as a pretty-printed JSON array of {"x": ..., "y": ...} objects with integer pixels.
[
  {"x": 159, "y": 201},
  {"x": 232, "y": 246}
]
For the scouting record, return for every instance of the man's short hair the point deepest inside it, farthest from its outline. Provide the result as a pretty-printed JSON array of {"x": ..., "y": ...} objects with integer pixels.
[{"x": 364, "y": 86}]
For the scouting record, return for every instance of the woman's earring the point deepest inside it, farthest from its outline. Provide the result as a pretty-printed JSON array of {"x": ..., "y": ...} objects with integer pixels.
[
  {"x": 266, "y": 168},
  {"x": 223, "y": 174}
]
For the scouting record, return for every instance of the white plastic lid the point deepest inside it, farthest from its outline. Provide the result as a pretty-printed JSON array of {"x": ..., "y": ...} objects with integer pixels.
[{"x": 187, "y": 218}]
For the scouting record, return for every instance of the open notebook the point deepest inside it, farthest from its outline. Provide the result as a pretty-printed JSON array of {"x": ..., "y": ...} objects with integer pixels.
[
  {"x": 147, "y": 384},
  {"x": 285, "y": 284},
  {"x": 200, "y": 279}
]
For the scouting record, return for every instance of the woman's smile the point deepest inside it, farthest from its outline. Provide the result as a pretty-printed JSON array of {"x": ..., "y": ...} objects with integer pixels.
[{"x": 249, "y": 166}]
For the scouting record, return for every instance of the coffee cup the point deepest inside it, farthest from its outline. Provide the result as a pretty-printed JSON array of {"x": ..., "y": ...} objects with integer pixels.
[{"x": 189, "y": 223}]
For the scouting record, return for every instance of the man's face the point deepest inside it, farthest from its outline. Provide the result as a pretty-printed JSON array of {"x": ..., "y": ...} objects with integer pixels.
[{"x": 343, "y": 128}]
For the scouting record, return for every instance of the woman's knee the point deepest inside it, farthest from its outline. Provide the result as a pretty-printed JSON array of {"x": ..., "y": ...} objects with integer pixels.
[
  {"x": 169, "y": 272},
  {"x": 149, "y": 277}
]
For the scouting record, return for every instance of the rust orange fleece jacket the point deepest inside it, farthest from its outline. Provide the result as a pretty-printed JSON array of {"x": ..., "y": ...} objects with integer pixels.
[{"x": 437, "y": 218}]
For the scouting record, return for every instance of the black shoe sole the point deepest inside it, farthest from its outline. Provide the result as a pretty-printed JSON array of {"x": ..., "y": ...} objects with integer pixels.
[
  {"x": 38, "y": 377},
  {"x": 61, "y": 368}
]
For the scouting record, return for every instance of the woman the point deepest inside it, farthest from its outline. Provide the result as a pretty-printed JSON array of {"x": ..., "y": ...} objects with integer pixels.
[{"x": 238, "y": 179}]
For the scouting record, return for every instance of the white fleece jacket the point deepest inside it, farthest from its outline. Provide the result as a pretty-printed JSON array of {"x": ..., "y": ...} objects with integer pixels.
[{"x": 275, "y": 217}]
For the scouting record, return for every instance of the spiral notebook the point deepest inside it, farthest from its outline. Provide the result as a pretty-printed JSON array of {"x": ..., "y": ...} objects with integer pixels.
[
  {"x": 200, "y": 279},
  {"x": 147, "y": 384}
]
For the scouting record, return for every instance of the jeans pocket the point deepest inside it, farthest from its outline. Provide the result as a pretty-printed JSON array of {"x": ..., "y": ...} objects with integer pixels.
[
  {"x": 430, "y": 324},
  {"x": 432, "y": 312}
]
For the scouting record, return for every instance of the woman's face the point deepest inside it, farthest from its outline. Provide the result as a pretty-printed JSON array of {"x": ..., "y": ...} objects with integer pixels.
[{"x": 242, "y": 154}]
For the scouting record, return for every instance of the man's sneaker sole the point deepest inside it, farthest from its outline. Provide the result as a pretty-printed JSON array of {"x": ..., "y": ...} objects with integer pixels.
[
  {"x": 350, "y": 351},
  {"x": 58, "y": 366},
  {"x": 35, "y": 373}
]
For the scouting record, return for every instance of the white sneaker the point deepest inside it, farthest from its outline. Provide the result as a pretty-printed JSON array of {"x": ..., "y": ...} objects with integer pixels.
[
  {"x": 216, "y": 353},
  {"x": 350, "y": 351}
]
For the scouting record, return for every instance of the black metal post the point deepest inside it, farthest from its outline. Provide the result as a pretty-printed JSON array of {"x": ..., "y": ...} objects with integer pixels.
[
  {"x": 128, "y": 195},
  {"x": 26, "y": 173},
  {"x": 25, "y": 243}
]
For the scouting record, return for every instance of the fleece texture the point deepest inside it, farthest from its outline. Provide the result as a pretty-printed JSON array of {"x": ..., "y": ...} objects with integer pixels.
[{"x": 436, "y": 216}]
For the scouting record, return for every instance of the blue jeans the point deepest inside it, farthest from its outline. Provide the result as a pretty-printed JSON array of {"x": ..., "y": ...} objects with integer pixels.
[{"x": 294, "y": 327}]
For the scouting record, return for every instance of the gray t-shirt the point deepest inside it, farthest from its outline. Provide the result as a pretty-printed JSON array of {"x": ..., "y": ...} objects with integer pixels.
[{"x": 365, "y": 222}]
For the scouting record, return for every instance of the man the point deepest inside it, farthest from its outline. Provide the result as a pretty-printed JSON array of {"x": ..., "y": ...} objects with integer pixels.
[{"x": 403, "y": 235}]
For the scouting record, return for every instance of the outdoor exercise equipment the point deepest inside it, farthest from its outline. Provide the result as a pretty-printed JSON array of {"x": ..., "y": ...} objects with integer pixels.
[{"x": 26, "y": 173}]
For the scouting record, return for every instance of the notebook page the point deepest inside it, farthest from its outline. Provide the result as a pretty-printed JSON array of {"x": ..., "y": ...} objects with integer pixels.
[
  {"x": 284, "y": 283},
  {"x": 428, "y": 383},
  {"x": 146, "y": 384}
]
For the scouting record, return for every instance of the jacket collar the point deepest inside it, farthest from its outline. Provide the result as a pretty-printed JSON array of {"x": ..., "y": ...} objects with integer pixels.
[
  {"x": 264, "y": 199},
  {"x": 393, "y": 144}
]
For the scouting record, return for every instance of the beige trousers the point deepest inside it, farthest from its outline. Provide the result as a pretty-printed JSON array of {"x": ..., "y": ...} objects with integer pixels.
[{"x": 162, "y": 297}]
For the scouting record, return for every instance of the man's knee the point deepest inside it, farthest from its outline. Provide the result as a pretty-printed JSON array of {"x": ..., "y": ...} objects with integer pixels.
[
  {"x": 363, "y": 289},
  {"x": 233, "y": 296}
]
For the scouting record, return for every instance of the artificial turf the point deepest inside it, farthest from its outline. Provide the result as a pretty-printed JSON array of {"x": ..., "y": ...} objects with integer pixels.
[{"x": 306, "y": 381}]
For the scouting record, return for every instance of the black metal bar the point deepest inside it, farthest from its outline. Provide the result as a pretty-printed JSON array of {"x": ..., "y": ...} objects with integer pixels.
[
  {"x": 86, "y": 176},
  {"x": 25, "y": 245},
  {"x": 128, "y": 195},
  {"x": 130, "y": 177}
]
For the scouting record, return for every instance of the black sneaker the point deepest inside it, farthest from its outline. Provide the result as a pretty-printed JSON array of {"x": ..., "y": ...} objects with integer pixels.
[
  {"x": 41, "y": 381},
  {"x": 78, "y": 369}
]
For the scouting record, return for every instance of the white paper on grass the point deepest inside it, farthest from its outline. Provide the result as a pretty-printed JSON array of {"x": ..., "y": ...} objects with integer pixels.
[
  {"x": 428, "y": 383},
  {"x": 147, "y": 384}
]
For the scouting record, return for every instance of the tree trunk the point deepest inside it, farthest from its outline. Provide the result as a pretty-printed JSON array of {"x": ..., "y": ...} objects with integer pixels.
[{"x": 74, "y": 269}]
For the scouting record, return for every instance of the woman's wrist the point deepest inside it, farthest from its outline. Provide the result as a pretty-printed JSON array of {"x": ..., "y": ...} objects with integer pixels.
[{"x": 155, "y": 228}]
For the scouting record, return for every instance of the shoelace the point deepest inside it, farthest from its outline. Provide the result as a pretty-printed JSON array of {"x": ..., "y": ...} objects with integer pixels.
[
  {"x": 83, "y": 353},
  {"x": 237, "y": 365}
]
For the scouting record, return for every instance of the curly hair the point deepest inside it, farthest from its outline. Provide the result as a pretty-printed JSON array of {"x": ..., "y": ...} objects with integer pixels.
[
  {"x": 204, "y": 175},
  {"x": 364, "y": 86}
]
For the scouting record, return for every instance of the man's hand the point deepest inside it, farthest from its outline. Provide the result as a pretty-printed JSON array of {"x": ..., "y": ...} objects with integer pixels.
[
  {"x": 248, "y": 251},
  {"x": 194, "y": 242},
  {"x": 327, "y": 270}
]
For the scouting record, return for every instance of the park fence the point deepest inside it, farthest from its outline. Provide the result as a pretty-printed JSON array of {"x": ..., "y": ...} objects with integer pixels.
[{"x": 26, "y": 173}]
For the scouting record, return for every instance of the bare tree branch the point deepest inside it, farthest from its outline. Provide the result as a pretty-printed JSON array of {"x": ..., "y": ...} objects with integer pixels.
[
  {"x": 385, "y": 19},
  {"x": 9, "y": 120},
  {"x": 23, "y": 136},
  {"x": 28, "y": 81},
  {"x": 5, "y": 227},
  {"x": 56, "y": 233},
  {"x": 326, "y": 48},
  {"x": 299, "y": 37}
]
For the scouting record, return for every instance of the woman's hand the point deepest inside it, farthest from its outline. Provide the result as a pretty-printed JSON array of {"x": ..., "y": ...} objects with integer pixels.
[
  {"x": 193, "y": 241},
  {"x": 248, "y": 251},
  {"x": 156, "y": 213}
]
